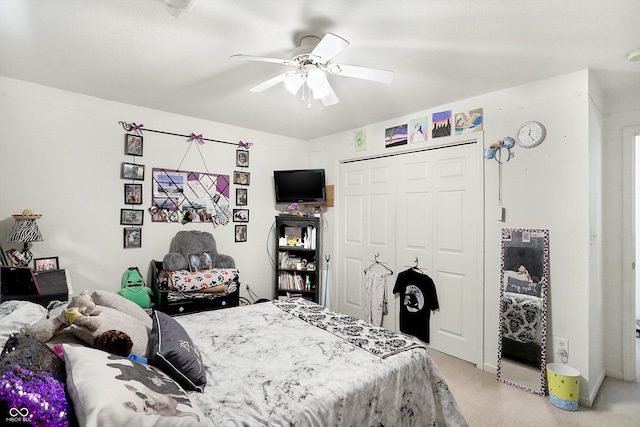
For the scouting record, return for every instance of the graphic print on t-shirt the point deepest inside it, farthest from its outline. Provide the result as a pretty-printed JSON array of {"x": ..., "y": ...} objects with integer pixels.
[{"x": 413, "y": 299}]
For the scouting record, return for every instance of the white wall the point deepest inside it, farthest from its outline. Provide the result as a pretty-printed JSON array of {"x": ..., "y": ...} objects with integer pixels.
[
  {"x": 60, "y": 156},
  {"x": 622, "y": 111},
  {"x": 545, "y": 187}
]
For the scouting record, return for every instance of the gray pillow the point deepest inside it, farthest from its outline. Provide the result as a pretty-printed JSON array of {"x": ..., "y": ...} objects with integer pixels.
[{"x": 172, "y": 350}]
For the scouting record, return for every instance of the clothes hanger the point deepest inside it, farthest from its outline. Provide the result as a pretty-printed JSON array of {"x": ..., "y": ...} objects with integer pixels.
[
  {"x": 416, "y": 268},
  {"x": 376, "y": 262}
]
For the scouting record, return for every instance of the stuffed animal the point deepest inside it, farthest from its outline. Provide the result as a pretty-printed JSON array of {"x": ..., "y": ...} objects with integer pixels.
[
  {"x": 81, "y": 311},
  {"x": 114, "y": 342}
]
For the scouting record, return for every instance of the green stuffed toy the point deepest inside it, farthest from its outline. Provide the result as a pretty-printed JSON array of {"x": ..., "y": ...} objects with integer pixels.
[{"x": 134, "y": 289}]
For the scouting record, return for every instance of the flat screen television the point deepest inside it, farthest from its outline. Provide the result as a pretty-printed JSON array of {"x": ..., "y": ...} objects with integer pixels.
[{"x": 305, "y": 186}]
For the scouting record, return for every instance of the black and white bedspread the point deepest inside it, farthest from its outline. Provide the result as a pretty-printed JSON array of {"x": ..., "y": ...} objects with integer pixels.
[
  {"x": 376, "y": 340},
  {"x": 521, "y": 317},
  {"x": 266, "y": 367}
]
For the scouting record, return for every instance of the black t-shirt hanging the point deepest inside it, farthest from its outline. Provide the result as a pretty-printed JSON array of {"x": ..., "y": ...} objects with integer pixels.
[{"x": 417, "y": 299}]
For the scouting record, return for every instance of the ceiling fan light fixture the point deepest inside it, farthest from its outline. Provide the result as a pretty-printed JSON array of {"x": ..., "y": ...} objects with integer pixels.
[
  {"x": 318, "y": 83},
  {"x": 176, "y": 7},
  {"x": 334, "y": 68},
  {"x": 293, "y": 82}
]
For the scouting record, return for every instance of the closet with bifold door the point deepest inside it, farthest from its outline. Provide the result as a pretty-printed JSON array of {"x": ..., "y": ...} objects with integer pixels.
[{"x": 420, "y": 207}]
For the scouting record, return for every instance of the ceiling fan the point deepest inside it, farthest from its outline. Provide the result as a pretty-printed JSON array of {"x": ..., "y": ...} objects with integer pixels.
[{"x": 309, "y": 62}]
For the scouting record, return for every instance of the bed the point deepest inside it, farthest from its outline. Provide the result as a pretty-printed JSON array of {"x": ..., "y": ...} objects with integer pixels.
[
  {"x": 521, "y": 311},
  {"x": 279, "y": 363}
]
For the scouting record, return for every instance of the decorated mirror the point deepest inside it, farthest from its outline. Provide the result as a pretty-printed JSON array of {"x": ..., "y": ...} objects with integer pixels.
[{"x": 522, "y": 333}]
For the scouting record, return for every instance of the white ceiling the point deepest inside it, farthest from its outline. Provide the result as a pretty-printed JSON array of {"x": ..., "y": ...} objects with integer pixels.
[{"x": 133, "y": 51}]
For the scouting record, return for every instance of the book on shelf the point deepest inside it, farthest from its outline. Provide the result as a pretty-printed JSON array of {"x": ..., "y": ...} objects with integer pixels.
[{"x": 294, "y": 281}]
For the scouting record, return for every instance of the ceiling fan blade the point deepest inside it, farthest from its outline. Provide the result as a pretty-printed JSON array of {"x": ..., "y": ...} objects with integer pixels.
[
  {"x": 268, "y": 84},
  {"x": 382, "y": 76},
  {"x": 262, "y": 59},
  {"x": 330, "y": 98},
  {"x": 329, "y": 46}
]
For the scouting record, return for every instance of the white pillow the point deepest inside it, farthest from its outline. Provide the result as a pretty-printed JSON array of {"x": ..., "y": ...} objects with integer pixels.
[
  {"x": 120, "y": 303},
  {"x": 109, "y": 390},
  {"x": 113, "y": 319},
  {"x": 16, "y": 313}
]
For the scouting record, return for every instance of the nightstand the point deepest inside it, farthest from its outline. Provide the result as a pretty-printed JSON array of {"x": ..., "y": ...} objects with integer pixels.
[{"x": 22, "y": 283}]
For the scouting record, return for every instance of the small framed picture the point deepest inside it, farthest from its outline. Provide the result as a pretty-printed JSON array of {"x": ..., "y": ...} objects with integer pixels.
[
  {"x": 133, "y": 145},
  {"x": 241, "y": 178},
  {"x": 15, "y": 258},
  {"x": 241, "y": 215},
  {"x": 11, "y": 259},
  {"x": 241, "y": 233},
  {"x": 131, "y": 216},
  {"x": 132, "y": 237},
  {"x": 133, "y": 194},
  {"x": 132, "y": 171},
  {"x": 46, "y": 264},
  {"x": 241, "y": 196},
  {"x": 242, "y": 158}
]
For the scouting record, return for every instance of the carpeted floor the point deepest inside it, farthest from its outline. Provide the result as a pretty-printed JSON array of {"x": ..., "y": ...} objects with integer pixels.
[{"x": 484, "y": 401}]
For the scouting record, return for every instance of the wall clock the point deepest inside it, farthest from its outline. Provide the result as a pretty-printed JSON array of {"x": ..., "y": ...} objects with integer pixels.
[{"x": 531, "y": 134}]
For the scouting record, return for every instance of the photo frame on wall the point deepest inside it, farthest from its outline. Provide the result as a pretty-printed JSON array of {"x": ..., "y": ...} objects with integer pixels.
[
  {"x": 132, "y": 171},
  {"x": 131, "y": 216},
  {"x": 46, "y": 264},
  {"x": 242, "y": 158},
  {"x": 241, "y": 215},
  {"x": 241, "y": 178},
  {"x": 133, "y": 145},
  {"x": 133, "y": 194},
  {"x": 242, "y": 196},
  {"x": 132, "y": 237},
  {"x": 241, "y": 233}
]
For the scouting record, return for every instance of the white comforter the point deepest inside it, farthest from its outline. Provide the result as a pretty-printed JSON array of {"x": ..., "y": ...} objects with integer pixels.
[{"x": 266, "y": 367}]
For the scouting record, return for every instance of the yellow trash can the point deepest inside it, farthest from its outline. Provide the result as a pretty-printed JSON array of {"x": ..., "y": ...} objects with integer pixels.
[{"x": 564, "y": 386}]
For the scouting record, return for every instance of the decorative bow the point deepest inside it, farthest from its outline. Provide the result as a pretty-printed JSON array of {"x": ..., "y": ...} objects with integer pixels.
[
  {"x": 246, "y": 145},
  {"x": 493, "y": 151},
  {"x": 198, "y": 138},
  {"x": 136, "y": 128}
]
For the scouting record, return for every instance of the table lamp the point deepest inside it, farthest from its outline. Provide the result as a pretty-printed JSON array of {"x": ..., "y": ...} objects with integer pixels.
[{"x": 25, "y": 230}]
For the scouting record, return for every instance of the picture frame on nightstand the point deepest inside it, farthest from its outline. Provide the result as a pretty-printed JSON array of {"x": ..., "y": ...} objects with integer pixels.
[{"x": 46, "y": 264}]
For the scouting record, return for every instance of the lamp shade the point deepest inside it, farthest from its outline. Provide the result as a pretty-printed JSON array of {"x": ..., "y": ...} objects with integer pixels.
[
  {"x": 25, "y": 230},
  {"x": 293, "y": 82},
  {"x": 317, "y": 81}
]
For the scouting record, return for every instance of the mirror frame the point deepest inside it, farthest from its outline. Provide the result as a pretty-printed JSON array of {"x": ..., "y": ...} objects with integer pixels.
[{"x": 544, "y": 280}]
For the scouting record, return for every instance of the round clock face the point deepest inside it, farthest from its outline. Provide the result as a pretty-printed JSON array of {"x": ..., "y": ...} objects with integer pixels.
[{"x": 531, "y": 134}]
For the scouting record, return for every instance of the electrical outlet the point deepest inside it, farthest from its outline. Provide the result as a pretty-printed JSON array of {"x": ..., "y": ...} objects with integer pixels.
[{"x": 560, "y": 344}]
